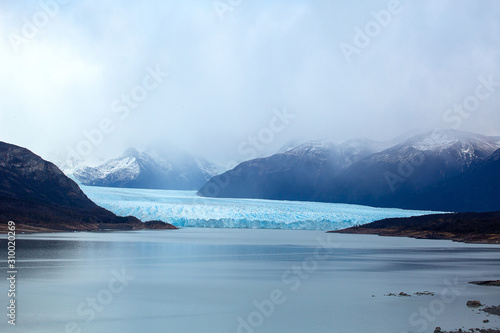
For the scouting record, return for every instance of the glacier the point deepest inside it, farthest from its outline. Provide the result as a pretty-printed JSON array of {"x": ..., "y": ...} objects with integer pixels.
[{"x": 186, "y": 209}]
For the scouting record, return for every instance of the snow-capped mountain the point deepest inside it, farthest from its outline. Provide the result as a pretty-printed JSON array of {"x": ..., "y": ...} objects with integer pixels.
[
  {"x": 396, "y": 177},
  {"x": 38, "y": 196},
  {"x": 294, "y": 174},
  {"x": 152, "y": 170},
  {"x": 467, "y": 145},
  {"x": 363, "y": 172}
]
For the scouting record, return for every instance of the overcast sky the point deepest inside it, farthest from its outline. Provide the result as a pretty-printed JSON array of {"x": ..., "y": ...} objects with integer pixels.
[{"x": 228, "y": 78}]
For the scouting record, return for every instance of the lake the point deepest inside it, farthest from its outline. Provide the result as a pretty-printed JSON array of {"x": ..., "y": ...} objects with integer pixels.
[{"x": 247, "y": 280}]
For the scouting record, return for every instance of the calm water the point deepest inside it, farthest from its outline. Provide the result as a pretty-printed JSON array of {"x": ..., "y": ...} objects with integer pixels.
[{"x": 244, "y": 280}]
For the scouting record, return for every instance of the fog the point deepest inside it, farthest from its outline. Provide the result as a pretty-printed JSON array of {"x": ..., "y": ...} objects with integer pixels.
[{"x": 234, "y": 79}]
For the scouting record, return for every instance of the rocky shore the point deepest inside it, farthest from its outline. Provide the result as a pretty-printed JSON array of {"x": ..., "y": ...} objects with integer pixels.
[{"x": 480, "y": 228}]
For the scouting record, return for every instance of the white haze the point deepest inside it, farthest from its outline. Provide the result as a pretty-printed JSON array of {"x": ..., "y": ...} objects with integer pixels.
[{"x": 228, "y": 76}]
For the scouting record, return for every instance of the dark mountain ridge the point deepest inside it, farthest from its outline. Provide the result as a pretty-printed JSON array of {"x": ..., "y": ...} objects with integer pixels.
[
  {"x": 295, "y": 174},
  {"x": 36, "y": 194},
  {"x": 406, "y": 175},
  {"x": 425, "y": 171}
]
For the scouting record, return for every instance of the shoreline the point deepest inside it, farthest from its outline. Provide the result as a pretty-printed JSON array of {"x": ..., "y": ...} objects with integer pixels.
[
  {"x": 33, "y": 229},
  {"x": 474, "y": 228},
  {"x": 493, "y": 239}
]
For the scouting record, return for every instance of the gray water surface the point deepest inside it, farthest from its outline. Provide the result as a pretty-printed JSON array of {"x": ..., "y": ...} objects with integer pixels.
[{"x": 243, "y": 280}]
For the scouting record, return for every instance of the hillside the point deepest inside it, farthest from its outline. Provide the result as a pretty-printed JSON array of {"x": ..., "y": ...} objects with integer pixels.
[
  {"x": 441, "y": 170},
  {"x": 461, "y": 227},
  {"x": 37, "y": 196}
]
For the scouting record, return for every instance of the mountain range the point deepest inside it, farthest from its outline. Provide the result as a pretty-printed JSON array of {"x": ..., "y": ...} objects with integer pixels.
[
  {"x": 134, "y": 169},
  {"x": 36, "y": 195},
  {"x": 446, "y": 170}
]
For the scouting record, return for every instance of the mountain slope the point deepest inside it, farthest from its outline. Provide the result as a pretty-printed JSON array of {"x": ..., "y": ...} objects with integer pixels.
[
  {"x": 295, "y": 174},
  {"x": 407, "y": 175},
  {"x": 403, "y": 176},
  {"x": 136, "y": 169},
  {"x": 478, "y": 189},
  {"x": 35, "y": 192}
]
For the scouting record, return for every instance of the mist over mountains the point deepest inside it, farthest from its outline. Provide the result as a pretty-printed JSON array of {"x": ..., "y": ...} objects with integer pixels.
[{"x": 150, "y": 169}]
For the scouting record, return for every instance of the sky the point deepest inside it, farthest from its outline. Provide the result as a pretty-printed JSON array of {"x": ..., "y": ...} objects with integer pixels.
[{"x": 229, "y": 80}]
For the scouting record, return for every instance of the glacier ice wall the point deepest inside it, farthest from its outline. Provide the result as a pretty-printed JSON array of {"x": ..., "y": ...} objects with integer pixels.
[{"x": 186, "y": 209}]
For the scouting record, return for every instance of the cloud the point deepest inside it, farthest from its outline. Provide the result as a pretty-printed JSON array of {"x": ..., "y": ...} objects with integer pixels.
[{"x": 227, "y": 76}]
